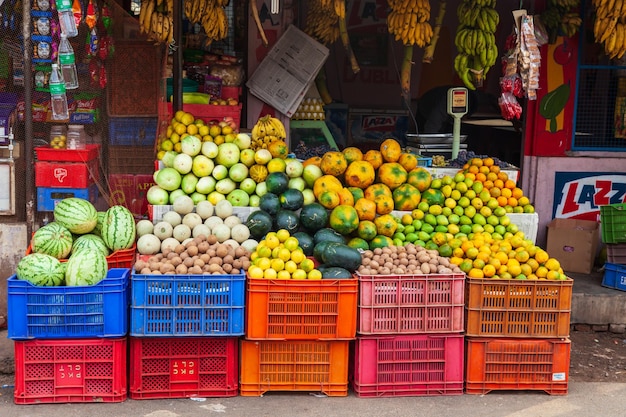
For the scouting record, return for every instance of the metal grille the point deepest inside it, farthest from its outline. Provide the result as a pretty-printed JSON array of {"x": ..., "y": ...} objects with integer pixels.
[{"x": 599, "y": 94}]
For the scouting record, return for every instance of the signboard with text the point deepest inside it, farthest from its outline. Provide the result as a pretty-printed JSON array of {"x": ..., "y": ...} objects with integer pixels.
[{"x": 579, "y": 195}]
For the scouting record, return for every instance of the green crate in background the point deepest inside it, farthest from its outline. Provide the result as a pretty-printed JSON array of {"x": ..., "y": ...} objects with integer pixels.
[{"x": 613, "y": 223}]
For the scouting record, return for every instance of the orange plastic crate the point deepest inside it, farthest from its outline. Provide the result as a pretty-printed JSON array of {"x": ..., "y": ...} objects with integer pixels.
[
  {"x": 409, "y": 304},
  {"x": 320, "y": 366},
  {"x": 517, "y": 364},
  {"x": 512, "y": 308},
  {"x": 301, "y": 310}
]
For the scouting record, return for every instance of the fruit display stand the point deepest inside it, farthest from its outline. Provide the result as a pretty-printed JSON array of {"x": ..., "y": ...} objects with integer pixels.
[
  {"x": 439, "y": 172},
  {"x": 207, "y": 112}
]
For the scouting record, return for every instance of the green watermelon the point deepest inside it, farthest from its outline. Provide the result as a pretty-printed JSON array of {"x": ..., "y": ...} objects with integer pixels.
[
  {"x": 270, "y": 203},
  {"x": 86, "y": 267},
  {"x": 291, "y": 199},
  {"x": 277, "y": 182},
  {"x": 98, "y": 229},
  {"x": 77, "y": 215},
  {"x": 118, "y": 228},
  {"x": 41, "y": 270},
  {"x": 52, "y": 239},
  {"x": 259, "y": 222},
  {"x": 91, "y": 241},
  {"x": 286, "y": 219},
  {"x": 313, "y": 217}
]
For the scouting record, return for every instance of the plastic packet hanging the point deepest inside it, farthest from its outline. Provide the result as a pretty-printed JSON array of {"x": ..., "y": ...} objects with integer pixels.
[
  {"x": 541, "y": 33},
  {"x": 509, "y": 107},
  {"x": 91, "y": 14},
  {"x": 512, "y": 84}
]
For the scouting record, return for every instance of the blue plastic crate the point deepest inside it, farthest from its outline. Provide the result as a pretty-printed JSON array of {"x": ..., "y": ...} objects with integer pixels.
[
  {"x": 614, "y": 276},
  {"x": 99, "y": 310},
  {"x": 187, "y": 305},
  {"x": 424, "y": 161},
  {"x": 132, "y": 131},
  {"x": 48, "y": 197}
]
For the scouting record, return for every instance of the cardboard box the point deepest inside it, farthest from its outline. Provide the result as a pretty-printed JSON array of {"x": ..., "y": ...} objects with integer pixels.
[{"x": 574, "y": 243}]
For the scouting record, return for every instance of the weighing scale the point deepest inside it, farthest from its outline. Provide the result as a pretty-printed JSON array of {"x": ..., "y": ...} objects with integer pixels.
[{"x": 458, "y": 105}]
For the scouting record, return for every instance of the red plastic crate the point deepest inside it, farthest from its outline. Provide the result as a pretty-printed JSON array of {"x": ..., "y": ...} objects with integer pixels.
[
  {"x": 66, "y": 175},
  {"x": 408, "y": 365},
  {"x": 517, "y": 364},
  {"x": 514, "y": 308},
  {"x": 392, "y": 304},
  {"x": 320, "y": 366},
  {"x": 46, "y": 153},
  {"x": 209, "y": 112},
  {"x": 181, "y": 367},
  {"x": 70, "y": 371},
  {"x": 301, "y": 309}
]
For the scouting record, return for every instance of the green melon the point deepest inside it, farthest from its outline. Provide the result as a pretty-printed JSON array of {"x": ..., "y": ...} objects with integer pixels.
[
  {"x": 76, "y": 214},
  {"x": 52, "y": 239},
  {"x": 86, "y": 267},
  {"x": 118, "y": 228},
  {"x": 41, "y": 270}
]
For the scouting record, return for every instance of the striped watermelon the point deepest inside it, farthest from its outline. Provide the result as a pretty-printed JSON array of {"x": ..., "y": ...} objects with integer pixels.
[
  {"x": 40, "y": 269},
  {"x": 90, "y": 241},
  {"x": 98, "y": 229},
  {"x": 78, "y": 215},
  {"x": 52, "y": 239},
  {"x": 118, "y": 228},
  {"x": 86, "y": 267}
]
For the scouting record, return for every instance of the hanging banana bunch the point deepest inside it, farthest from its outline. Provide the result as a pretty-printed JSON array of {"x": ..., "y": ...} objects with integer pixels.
[
  {"x": 408, "y": 21},
  {"x": 156, "y": 20},
  {"x": 322, "y": 21},
  {"x": 610, "y": 26},
  {"x": 475, "y": 41},
  {"x": 561, "y": 16}
]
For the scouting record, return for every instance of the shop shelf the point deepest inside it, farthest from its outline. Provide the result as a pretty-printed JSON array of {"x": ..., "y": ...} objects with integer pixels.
[
  {"x": 513, "y": 308},
  {"x": 70, "y": 371},
  {"x": 187, "y": 305},
  {"x": 301, "y": 309},
  {"x": 408, "y": 365},
  {"x": 614, "y": 276},
  {"x": 99, "y": 310},
  {"x": 182, "y": 367},
  {"x": 517, "y": 364},
  {"x": 402, "y": 304},
  {"x": 613, "y": 223},
  {"x": 320, "y": 366}
]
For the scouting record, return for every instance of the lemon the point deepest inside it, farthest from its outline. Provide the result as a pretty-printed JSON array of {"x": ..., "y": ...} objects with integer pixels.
[
  {"x": 300, "y": 274},
  {"x": 283, "y": 235},
  {"x": 284, "y": 254},
  {"x": 272, "y": 241},
  {"x": 192, "y": 129},
  {"x": 178, "y": 116},
  {"x": 255, "y": 272},
  {"x": 307, "y": 265},
  {"x": 298, "y": 256},
  {"x": 291, "y": 243},
  {"x": 270, "y": 274},
  {"x": 290, "y": 266},
  {"x": 187, "y": 119},
  {"x": 215, "y": 130},
  {"x": 264, "y": 263},
  {"x": 167, "y": 145},
  {"x": 276, "y": 165},
  {"x": 203, "y": 130},
  {"x": 283, "y": 275},
  {"x": 180, "y": 129},
  {"x": 314, "y": 274}
]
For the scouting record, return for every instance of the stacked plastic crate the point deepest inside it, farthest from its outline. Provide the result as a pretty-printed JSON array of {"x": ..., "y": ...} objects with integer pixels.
[
  {"x": 410, "y": 335},
  {"x": 517, "y": 335},
  {"x": 70, "y": 342},
  {"x": 185, "y": 335},
  {"x": 297, "y": 335},
  {"x": 62, "y": 173},
  {"x": 613, "y": 225}
]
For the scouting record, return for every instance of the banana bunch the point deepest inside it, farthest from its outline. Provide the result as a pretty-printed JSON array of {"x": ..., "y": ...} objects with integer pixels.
[
  {"x": 215, "y": 24},
  {"x": 408, "y": 21},
  {"x": 267, "y": 129},
  {"x": 156, "y": 20},
  {"x": 475, "y": 40},
  {"x": 610, "y": 26},
  {"x": 561, "y": 16},
  {"x": 322, "y": 20}
]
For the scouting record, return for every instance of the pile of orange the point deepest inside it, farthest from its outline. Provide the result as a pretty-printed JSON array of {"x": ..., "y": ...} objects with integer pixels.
[{"x": 499, "y": 185}]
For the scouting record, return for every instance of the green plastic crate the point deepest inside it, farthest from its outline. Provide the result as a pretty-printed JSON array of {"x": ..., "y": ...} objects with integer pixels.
[{"x": 613, "y": 223}]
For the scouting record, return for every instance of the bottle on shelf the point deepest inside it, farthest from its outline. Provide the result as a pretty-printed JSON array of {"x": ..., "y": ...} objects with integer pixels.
[
  {"x": 58, "y": 99},
  {"x": 76, "y": 137},
  {"x": 67, "y": 61},
  {"x": 66, "y": 18}
]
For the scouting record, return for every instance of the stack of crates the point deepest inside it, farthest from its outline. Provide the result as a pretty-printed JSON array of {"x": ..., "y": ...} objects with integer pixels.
[
  {"x": 410, "y": 336},
  {"x": 297, "y": 335},
  {"x": 613, "y": 224},
  {"x": 517, "y": 335},
  {"x": 70, "y": 342},
  {"x": 184, "y": 335},
  {"x": 64, "y": 173}
]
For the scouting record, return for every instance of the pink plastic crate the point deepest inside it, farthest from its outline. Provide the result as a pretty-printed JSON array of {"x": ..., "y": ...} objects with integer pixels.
[
  {"x": 408, "y": 365},
  {"x": 403, "y": 304}
]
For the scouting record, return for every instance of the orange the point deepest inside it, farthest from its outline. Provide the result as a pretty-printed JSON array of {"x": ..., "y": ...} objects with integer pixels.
[
  {"x": 470, "y": 175},
  {"x": 473, "y": 169},
  {"x": 495, "y": 192},
  {"x": 408, "y": 161},
  {"x": 476, "y": 162},
  {"x": 541, "y": 256},
  {"x": 484, "y": 170},
  {"x": 494, "y": 168},
  {"x": 374, "y": 157},
  {"x": 488, "y": 184},
  {"x": 346, "y": 197},
  {"x": 481, "y": 177},
  {"x": 512, "y": 201},
  {"x": 326, "y": 183},
  {"x": 333, "y": 163},
  {"x": 498, "y": 183},
  {"x": 502, "y": 201},
  {"x": 509, "y": 184},
  {"x": 552, "y": 264},
  {"x": 360, "y": 174},
  {"x": 278, "y": 149},
  {"x": 506, "y": 192},
  {"x": 489, "y": 271},
  {"x": 390, "y": 150},
  {"x": 488, "y": 162},
  {"x": 476, "y": 273},
  {"x": 352, "y": 154},
  {"x": 314, "y": 160},
  {"x": 503, "y": 176}
]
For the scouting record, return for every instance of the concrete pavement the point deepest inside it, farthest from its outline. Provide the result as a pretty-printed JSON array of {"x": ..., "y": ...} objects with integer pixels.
[{"x": 583, "y": 400}]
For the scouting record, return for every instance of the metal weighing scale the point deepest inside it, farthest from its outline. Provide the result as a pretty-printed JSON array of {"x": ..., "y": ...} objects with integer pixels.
[{"x": 446, "y": 144}]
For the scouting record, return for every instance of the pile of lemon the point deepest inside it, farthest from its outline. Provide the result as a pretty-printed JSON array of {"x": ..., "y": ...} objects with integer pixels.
[{"x": 279, "y": 256}]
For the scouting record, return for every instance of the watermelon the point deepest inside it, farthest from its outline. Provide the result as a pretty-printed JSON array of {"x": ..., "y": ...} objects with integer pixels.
[
  {"x": 41, "y": 270},
  {"x": 98, "y": 229},
  {"x": 118, "y": 228},
  {"x": 86, "y": 267},
  {"x": 77, "y": 215},
  {"x": 91, "y": 241},
  {"x": 52, "y": 239}
]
